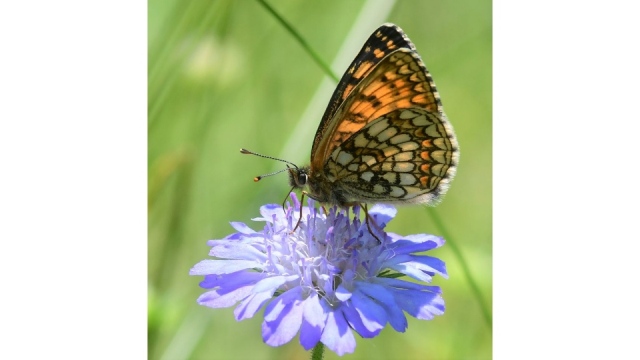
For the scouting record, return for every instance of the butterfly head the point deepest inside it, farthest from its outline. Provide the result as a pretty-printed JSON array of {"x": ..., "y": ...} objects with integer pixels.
[{"x": 298, "y": 177}]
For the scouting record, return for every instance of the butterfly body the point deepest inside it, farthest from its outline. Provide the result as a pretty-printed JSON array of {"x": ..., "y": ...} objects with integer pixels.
[{"x": 384, "y": 137}]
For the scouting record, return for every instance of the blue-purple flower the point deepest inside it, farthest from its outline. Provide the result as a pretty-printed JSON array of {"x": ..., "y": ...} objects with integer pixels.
[{"x": 323, "y": 279}]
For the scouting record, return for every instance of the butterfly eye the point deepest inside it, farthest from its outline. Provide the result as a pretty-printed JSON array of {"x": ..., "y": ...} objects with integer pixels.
[{"x": 302, "y": 179}]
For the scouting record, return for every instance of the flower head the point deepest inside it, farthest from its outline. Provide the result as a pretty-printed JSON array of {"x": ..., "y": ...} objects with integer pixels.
[{"x": 324, "y": 279}]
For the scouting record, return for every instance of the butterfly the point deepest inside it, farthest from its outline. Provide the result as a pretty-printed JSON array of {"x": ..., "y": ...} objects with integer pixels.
[{"x": 384, "y": 137}]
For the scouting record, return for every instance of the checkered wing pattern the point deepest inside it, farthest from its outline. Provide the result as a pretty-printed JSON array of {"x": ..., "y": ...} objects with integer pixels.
[
  {"x": 384, "y": 136},
  {"x": 405, "y": 156}
]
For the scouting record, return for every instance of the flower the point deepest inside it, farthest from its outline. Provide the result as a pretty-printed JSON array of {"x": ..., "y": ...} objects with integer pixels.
[{"x": 323, "y": 278}]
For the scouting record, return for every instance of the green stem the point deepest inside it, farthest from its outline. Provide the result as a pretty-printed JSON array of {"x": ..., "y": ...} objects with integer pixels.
[
  {"x": 465, "y": 268},
  {"x": 302, "y": 41},
  {"x": 318, "y": 351}
]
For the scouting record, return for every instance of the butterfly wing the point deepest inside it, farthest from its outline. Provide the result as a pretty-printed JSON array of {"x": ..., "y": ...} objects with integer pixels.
[
  {"x": 385, "y": 39},
  {"x": 396, "y": 79},
  {"x": 406, "y": 156}
]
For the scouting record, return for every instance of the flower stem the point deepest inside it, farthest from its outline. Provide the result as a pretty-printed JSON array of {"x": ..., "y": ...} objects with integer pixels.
[
  {"x": 465, "y": 268},
  {"x": 318, "y": 351}
]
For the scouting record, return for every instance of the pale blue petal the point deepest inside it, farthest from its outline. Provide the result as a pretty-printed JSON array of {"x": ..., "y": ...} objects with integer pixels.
[
  {"x": 383, "y": 213},
  {"x": 397, "y": 259},
  {"x": 413, "y": 264},
  {"x": 215, "y": 299},
  {"x": 426, "y": 238},
  {"x": 430, "y": 263},
  {"x": 342, "y": 293},
  {"x": 364, "y": 315},
  {"x": 208, "y": 267},
  {"x": 337, "y": 334},
  {"x": 422, "y": 262},
  {"x": 242, "y": 228},
  {"x": 419, "y": 304},
  {"x": 270, "y": 284},
  {"x": 237, "y": 236},
  {"x": 273, "y": 282},
  {"x": 268, "y": 212},
  {"x": 314, "y": 316},
  {"x": 249, "y": 306},
  {"x": 281, "y": 323},
  {"x": 232, "y": 281},
  {"x": 402, "y": 284},
  {"x": 416, "y": 243},
  {"x": 395, "y": 316},
  {"x": 411, "y": 271},
  {"x": 237, "y": 251},
  {"x": 273, "y": 310}
]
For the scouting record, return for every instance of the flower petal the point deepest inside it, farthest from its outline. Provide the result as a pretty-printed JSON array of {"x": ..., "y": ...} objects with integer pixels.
[
  {"x": 342, "y": 293},
  {"x": 419, "y": 304},
  {"x": 242, "y": 228},
  {"x": 215, "y": 299},
  {"x": 419, "y": 267},
  {"x": 207, "y": 267},
  {"x": 412, "y": 272},
  {"x": 282, "y": 320},
  {"x": 269, "y": 211},
  {"x": 250, "y": 305},
  {"x": 416, "y": 243},
  {"x": 314, "y": 316},
  {"x": 273, "y": 310},
  {"x": 272, "y": 283},
  {"x": 337, "y": 335},
  {"x": 383, "y": 214},
  {"x": 430, "y": 264},
  {"x": 390, "y": 283},
  {"x": 364, "y": 315},
  {"x": 237, "y": 251},
  {"x": 382, "y": 296},
  {"x": 233, "y": 280}
]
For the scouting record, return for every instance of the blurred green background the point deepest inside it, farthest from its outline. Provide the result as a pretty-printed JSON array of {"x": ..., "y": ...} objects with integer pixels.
[{"x": 225, "y": 74}]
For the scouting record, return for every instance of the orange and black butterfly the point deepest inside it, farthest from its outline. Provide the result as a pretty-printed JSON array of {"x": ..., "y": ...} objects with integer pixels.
[{"x": 384, "y": 137}]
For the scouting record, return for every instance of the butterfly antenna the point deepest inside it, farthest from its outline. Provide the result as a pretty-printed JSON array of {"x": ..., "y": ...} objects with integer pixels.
[{"x": 258, "y": 178}]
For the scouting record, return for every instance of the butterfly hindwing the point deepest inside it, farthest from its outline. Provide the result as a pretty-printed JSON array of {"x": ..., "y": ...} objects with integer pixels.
[{"x": 408, "y": 155}]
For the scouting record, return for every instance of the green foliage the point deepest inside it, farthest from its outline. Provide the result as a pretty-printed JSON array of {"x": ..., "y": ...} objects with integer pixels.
[{"x": 225, "y": 75}]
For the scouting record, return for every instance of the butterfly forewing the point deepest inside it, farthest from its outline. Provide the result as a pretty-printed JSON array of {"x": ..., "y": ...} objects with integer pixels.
[
  {"x": 386, "y": 39},
  {"x": 400, "y": 81}
]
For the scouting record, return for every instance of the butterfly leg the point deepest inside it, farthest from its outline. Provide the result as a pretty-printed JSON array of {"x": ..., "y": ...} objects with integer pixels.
[
  {"x": 301, "y": 201},
  {"x": 300, "y": 217},
  {"x": 369, "y": 220}
]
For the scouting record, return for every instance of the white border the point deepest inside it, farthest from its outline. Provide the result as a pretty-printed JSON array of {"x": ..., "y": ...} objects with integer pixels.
[
  {"x": 565, "y": 184},
  {"x": 73, "y": 194}
]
